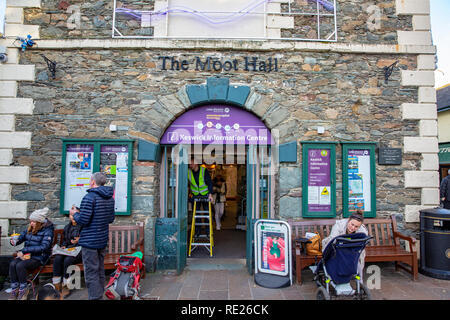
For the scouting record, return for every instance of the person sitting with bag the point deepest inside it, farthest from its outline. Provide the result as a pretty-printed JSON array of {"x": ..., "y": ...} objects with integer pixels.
[
  {"x": 63, "y": 261},
  {"x": 37, "y": 239},
  {"x": 354, "y": 224}
]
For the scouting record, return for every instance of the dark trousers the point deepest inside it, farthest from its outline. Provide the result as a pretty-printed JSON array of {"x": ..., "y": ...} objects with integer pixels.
[
  {"x": 62, "y": 262},
  {"x": 94, "y": 272},
  {"x": 18, "y": 271},
  {"x": 446, "y": 204}
]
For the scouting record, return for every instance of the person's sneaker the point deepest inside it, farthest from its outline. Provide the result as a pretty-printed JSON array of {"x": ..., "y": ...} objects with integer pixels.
[
  {"x": 23, "y": 294},
  {"x": 13, "y": 294}
]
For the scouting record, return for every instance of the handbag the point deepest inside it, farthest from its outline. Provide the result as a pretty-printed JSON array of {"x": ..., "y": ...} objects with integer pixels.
[
  {"x": 314, "y": 248},
  {"x": 73, "y": 252}
]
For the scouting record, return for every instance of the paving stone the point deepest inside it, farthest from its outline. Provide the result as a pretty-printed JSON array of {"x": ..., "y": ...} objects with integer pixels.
[
  {"x": 213, "y": 295},
  {"x": 239, "y": 285}
]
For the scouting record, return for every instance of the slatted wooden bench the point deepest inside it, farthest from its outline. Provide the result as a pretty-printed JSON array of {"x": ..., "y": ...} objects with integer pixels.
[
  {"x": 123, "y": 239},
  {"x": 385, "y": 246}
]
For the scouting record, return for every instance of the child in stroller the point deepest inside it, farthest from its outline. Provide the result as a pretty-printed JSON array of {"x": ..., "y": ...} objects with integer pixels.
[{"x": 339, "y": 266}]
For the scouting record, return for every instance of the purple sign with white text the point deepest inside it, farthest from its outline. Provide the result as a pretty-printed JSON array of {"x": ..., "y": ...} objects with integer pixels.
[
  {"x": 319, "y": 181},
  {"x": 80, "y": 148},
  {"x": 217, "y": 124}
]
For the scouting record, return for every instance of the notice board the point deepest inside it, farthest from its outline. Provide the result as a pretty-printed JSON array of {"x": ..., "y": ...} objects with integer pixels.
[{"x": 318, "y": 179}]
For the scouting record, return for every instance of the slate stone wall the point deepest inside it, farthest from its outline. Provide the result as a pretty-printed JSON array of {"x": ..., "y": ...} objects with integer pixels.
[
  {"x": 354, "y": 20},
  {"x": 344, "y": 93}
]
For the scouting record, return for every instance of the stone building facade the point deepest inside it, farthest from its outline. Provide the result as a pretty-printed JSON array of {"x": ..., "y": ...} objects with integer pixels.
[{"x": 100, "y": 81}]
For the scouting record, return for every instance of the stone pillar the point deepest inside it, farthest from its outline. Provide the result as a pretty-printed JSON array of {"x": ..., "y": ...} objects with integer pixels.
[
  {"x": 11, "y": 73},
  {"x": 427, "y": 178}
]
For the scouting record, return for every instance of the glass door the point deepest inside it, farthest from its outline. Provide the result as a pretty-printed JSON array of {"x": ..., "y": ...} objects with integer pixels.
[{"x": 181, "y": 203}]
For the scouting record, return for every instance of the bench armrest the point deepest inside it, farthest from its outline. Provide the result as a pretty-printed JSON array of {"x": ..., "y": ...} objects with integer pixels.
[
  {"x": 137, "y": 244},
  {"x": 300, "y": 244},
  {"x": 411, "y": 240}
]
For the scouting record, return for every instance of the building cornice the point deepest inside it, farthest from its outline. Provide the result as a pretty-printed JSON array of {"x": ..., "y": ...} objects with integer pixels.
[{"x": 220, "y": 45}]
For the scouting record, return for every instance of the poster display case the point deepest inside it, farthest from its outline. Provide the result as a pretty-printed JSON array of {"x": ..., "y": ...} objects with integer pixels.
[
  {"x": 358, "y": 181},
  {"x": 81, "y": 158},
  {"x": 319, "y": 179}
]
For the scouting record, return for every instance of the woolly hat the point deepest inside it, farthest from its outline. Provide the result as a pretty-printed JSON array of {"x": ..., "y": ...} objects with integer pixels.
[{"x": 39, "y": 215}]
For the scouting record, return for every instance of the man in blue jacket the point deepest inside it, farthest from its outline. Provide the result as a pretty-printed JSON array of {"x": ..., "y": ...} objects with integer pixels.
[{"x": 96, "y": 213}]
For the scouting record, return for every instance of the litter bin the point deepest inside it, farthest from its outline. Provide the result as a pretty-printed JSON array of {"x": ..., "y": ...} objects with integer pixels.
[{"x": 435, "y": 243}]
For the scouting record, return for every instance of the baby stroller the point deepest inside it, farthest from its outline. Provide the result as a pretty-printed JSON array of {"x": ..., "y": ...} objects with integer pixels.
[{"x": 336, "y": 274}]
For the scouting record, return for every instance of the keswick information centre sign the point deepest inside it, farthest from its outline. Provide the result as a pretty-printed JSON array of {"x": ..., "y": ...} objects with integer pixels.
[{"x": 217, "y": 124}]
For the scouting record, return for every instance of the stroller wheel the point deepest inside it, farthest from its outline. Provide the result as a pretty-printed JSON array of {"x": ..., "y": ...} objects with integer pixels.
[
  {"x": 364, "y": 293},
  {"x": 322, "y": 294}
]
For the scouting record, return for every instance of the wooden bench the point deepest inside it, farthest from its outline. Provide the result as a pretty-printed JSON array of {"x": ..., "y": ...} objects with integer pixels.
[
  {"x": 123, "y": 239},
  {"x": 385, "y": 246}
]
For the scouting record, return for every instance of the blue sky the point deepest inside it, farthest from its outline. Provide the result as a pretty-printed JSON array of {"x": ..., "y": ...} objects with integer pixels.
[{"x": 440, "y": 28}]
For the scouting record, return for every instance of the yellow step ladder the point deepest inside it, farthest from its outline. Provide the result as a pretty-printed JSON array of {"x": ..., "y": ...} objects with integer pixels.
[{"x": 210, "y": 240}]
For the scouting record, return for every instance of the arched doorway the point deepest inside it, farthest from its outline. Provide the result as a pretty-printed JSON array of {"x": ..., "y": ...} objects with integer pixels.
[{"x": 223, "y": 138}]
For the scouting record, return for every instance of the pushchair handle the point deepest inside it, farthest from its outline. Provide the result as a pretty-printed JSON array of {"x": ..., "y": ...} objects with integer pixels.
[{"x": 366, "y": 239}]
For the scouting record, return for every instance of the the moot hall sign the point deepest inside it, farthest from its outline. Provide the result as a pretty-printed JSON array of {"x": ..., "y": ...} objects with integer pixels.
[
  {"x": 217, "y": 124},
  {"x": 250, "y": 64}
]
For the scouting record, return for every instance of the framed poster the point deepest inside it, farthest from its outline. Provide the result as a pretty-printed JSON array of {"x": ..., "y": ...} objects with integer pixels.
[
  {"x": 114, "y": 164},
  {"x": 81, "y": 158},
  {"x": 79, "y": 168},
  {"x": 318, "y": 179},
  {"x": 358, "y": 186},
  {"x": 272, "y": 247}
]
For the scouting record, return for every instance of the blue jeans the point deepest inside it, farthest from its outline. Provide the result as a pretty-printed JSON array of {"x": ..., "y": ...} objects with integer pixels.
[{"x": 94, "y": 272}]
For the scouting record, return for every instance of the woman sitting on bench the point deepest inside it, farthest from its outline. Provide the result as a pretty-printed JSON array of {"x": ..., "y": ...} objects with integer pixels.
[
  {"x": 354, "y": 224},
  {"x": 62, "y": 262},
  {"x": 38, "y": 240}
]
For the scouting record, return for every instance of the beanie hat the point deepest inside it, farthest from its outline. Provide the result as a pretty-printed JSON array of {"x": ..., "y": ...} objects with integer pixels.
[{"x": 39, "y": 215}]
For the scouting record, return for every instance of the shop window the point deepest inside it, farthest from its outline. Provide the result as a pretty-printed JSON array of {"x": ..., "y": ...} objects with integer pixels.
[
  {"x": 81, "y": 158},
  {"x": 358, "y": 181},
  {"x": 227, "y": 19},
  {"x": 319, "y": 179}
]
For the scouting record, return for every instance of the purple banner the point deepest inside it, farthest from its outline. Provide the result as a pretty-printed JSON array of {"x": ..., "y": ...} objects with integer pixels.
[
  {"x": 358, "y": 152},
  {"x": 319, "y": 181},
  {"x": 217, "y": 124},
  {"x": 114, "y": 148},
  {"x": 80, "y": 148}
]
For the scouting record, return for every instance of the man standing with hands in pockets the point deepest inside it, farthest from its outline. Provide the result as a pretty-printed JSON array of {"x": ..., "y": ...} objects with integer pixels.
[{"x": 96, "y": 213}]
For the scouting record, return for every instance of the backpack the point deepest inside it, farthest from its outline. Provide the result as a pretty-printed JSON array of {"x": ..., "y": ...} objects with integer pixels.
[{"x": 124, "y": 282}]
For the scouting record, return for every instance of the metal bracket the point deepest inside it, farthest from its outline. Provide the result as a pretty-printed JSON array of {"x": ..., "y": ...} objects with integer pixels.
[
  {"x": 50, "y": 65},
  {"x": 388, "y": 71}
]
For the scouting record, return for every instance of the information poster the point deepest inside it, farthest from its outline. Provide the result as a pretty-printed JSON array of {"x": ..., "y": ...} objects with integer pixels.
[
  {"x": 273, "y": 238},
  {"x": 359, "y": 178},
  {"x": 319, "y": 180},
  {"x": 79, "y": 162},
  {"x": 114, "y": 163}
]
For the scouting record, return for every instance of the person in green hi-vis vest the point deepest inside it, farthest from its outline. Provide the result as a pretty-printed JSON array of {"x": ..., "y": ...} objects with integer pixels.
[{"x": 200, "y": 185}]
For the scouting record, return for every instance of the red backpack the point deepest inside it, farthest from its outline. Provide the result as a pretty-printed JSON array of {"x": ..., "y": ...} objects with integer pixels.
[{"x": 124, "y": 282}]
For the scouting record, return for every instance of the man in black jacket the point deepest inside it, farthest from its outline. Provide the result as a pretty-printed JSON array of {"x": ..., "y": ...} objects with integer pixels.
[
  {"x": 96, "y": 213},
  {"x": 445, "y": 191}
]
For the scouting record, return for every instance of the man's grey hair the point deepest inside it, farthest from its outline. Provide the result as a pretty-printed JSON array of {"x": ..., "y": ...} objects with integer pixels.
[{"x": 99, "y": 178}]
